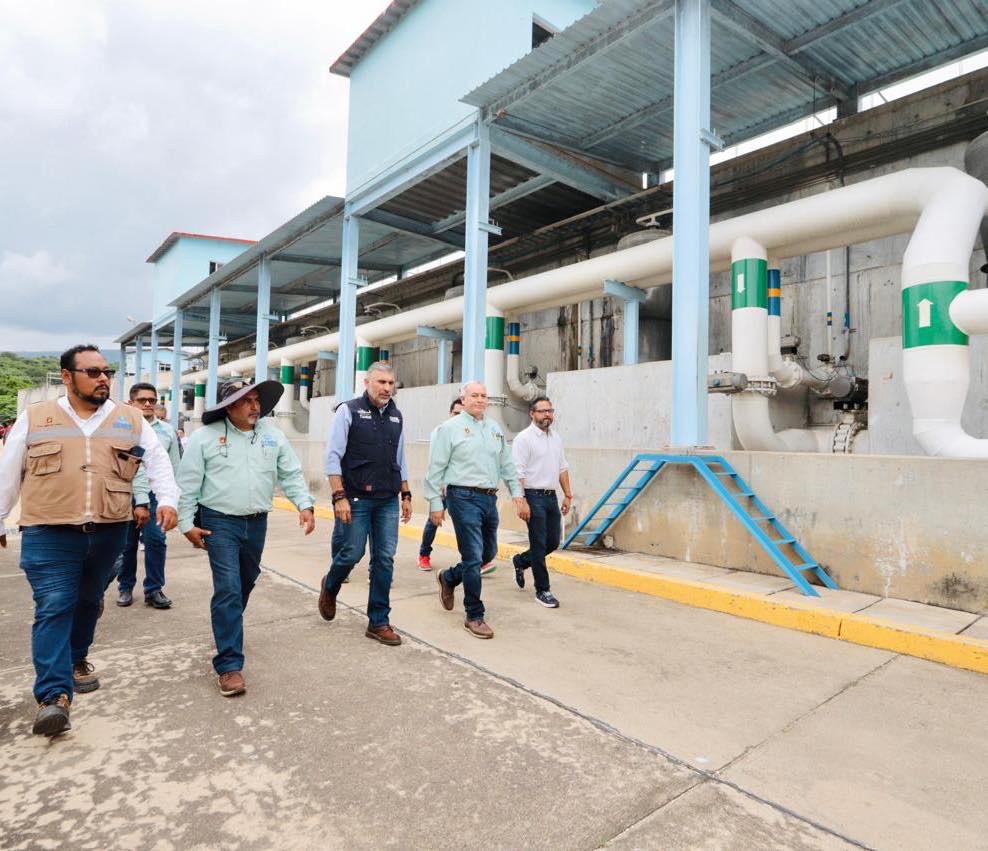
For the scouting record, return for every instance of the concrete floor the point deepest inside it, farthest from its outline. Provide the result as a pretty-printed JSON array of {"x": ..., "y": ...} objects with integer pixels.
[{"x": 619, "y": 720}]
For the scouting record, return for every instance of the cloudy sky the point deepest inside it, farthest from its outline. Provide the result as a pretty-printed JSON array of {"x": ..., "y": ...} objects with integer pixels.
[{"x": 124, "y": 120}]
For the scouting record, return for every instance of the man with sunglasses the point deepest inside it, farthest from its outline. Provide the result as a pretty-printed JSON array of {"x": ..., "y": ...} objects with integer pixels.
[
  {"x": 144, "y": 529},
  {"x": 72, "y": 462}
]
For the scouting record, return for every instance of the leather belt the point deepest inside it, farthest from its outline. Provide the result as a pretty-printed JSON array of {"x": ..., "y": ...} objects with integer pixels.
[
  {"x": 87, "y": 528},
  {"x": 541, "y": 491},
  {"x": 485, "y": 491}
]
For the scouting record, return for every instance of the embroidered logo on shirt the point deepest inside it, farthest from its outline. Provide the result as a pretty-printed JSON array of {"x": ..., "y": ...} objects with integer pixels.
[
  {"x": 122, "y": 422},
  {"x": 268, "y": 441},
  {"x": 467, "y": 431},
  {"x": 364, "y": 415},
  {"x": 395, "y": 419},
  {"x": 222, "y": 440}
]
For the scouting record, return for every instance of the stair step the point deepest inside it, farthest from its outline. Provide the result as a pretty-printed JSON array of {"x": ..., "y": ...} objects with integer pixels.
[
  {"x": 809, "y": 565},
  {"x": 759, "y": 518},
  {"x": 783, "y": 540},
  {"x": 725, "y": 474}
]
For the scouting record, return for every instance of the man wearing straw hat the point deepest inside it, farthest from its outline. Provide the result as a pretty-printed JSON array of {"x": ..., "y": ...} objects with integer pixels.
[{"x": 229, "y": 471}]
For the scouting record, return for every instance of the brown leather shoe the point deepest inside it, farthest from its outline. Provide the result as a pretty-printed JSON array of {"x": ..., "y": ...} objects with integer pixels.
[
  {"x": 478, "y": 629},
  {"x": 84, "y": 677},
  {"x": 327, "y": 603},
  {"x": 232, "y": 683},
  {"x": 385, "y": 634},
  {"x": 445, "y": 592}
]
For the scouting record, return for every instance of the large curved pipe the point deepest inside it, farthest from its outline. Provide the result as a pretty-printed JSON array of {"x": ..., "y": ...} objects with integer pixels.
[{"x": 948, "y": 205}]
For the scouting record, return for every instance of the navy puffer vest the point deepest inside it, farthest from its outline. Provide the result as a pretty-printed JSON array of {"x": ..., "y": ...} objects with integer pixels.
[{"x": 370, "y": 463}]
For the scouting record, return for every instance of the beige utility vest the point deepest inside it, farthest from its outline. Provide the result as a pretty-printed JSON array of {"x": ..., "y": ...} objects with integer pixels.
[{"x": 71, "y": 479}]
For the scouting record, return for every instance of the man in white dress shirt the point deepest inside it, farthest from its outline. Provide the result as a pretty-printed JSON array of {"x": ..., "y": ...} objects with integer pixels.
[
  {"x": 541, "y": 463},
  {"x": 71, "y": 462}
]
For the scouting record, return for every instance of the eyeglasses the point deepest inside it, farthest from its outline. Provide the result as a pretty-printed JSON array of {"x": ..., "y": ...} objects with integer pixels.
[
  {"x": 145, "y": 402},
  {"x": 96, "y": 372},
  {"x": 544, "y": 411}
]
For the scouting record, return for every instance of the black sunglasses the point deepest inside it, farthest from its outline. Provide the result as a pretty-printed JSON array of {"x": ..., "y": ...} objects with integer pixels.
[{"x": 96, "y": 372}]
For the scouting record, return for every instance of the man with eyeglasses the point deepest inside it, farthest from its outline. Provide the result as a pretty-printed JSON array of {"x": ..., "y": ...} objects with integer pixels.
[
  {"x": 144, "y": 529},
  {"x": 72, "y": 463},
  {"x": 227, "y": 476},
  {"x": 541, "y": 463}
]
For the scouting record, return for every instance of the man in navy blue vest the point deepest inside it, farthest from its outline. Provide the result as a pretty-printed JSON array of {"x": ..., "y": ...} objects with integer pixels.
[{"x": 365, "y": 463}]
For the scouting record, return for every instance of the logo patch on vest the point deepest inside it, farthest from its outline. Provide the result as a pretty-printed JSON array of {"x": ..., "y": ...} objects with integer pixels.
[
  {"x": 364, "y": 415},
  {"x": 122, "y": 422},
  {"x": 395, "y": 419}
]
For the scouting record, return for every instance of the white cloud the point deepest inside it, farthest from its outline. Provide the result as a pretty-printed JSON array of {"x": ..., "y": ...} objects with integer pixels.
[{"x": 22, "y": 270}]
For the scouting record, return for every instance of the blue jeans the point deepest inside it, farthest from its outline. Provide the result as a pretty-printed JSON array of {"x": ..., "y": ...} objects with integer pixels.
[
  {"x": 474, "y": 517},
  {"x": 377, "y": 519},
  {"x": 428, "y": 535},
  {"x": 154, "y": 555},
  {"x": 544, "y": 527},
  {"x": 68, "y": 571},
  {"x": 234, "y": 546}
]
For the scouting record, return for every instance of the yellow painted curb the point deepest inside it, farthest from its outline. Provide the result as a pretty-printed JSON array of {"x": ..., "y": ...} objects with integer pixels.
[{"x": 954, "y": 650}]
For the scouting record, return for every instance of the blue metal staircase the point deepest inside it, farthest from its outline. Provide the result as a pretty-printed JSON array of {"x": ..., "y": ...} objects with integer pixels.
[{"x": 725, "y": 481}]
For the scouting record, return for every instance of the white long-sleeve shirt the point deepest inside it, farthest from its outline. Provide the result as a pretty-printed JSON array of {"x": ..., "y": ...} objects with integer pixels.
[{"x": 156, "y": 463}]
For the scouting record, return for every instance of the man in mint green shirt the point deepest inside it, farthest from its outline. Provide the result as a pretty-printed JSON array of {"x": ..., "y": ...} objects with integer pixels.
[
  {"x": 229, "y": 471},
  {"x": 469, "y": 455}
]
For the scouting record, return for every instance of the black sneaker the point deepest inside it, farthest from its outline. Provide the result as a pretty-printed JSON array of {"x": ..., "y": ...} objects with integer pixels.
[
  {"x": 519, "y": 572},
  {"x": 157, "y": 600},
  {"x": 546, "y": 599},
  {"x": 53, "y": 716}
]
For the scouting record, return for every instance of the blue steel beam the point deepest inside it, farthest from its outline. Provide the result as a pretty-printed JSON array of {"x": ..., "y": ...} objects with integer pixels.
[
  {"x": 138, "y": 359},
  {"x": 215, "y": 307},
  {"x": 632, "y": 298},
  {"x": 509, "y": 196},
  {"x": 413, "y": 170},
  {"x": 347, "y": 348},
  {"x": 263, "y": 319},
  {"x": 475, "y": 262},
  {"x": 153, "y": 372},
  {"x": 121, "y": 395},
  {"x": 442, "y": 337},
  {"x": 691, "y": 213},
  {"x": 176, "y": 369},
  {"x": 566, "y": 170},
  {"x": 402, "y": 223}
]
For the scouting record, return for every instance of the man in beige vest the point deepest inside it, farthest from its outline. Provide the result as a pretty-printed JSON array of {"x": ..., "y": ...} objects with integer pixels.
[{"x": 72, "y": 461}]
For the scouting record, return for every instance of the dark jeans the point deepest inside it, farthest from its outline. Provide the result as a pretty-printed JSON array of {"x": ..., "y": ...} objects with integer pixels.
[
  {"x": 428, "y": 536},
  {"x": 377, "y": 519},
  {"x": 68, "y": 571},
  {"x": 234, "y": 546},
  {"x": 154, "y": 555},
  {"x": 544, "y": 527},
  {"x": 474, "y": 517}
]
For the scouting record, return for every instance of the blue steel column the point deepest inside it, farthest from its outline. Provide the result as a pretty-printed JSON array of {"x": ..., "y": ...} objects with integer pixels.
[
  {"x": 153, "y": 371},
  {"x": 138, "y": 358},
  {"x": 691, "y": 223},
  {"x": 263, "y": 320},
  {"x": 122, "y": 372},
  {"x": 176, "y": 369},
  {"x": 348, "y": 308},
  {"x": 214, "y": 345},
  {"x": 475, "y": 262}
]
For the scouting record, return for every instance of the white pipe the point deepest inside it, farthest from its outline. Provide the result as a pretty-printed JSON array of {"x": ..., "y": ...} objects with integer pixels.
[
  {"x": 303, "y": 397},
  {"x": 494, "y": 360},
  {"x": 969, "y": 312},
  {"x": 286, "y": 404},
  {"x": 935, "y": 355},
  {"x": 948, "y": 204}
]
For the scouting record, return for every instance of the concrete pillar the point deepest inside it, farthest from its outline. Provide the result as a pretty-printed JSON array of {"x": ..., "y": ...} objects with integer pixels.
[
  {"x": 138, "y": 360},
  {"x": 122, "y": 374},
  {"x": 153, "y": 370}
]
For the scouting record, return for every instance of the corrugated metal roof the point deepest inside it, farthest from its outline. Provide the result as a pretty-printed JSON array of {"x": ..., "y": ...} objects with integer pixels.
[
  {"x": 604, "y": 86},
  {"x": 383, "y": 24},
  {"x": 175, "y": 236}
]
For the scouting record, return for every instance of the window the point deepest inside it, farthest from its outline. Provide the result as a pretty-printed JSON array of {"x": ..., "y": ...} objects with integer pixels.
[{"x": 542, "y": 31}]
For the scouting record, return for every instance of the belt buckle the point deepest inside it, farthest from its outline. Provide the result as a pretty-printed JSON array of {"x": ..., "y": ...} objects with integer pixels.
[{"x": 88, "y": 527}]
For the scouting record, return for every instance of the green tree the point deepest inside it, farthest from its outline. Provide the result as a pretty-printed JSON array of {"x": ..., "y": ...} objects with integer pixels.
[{"x": 18, "y": 373}]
